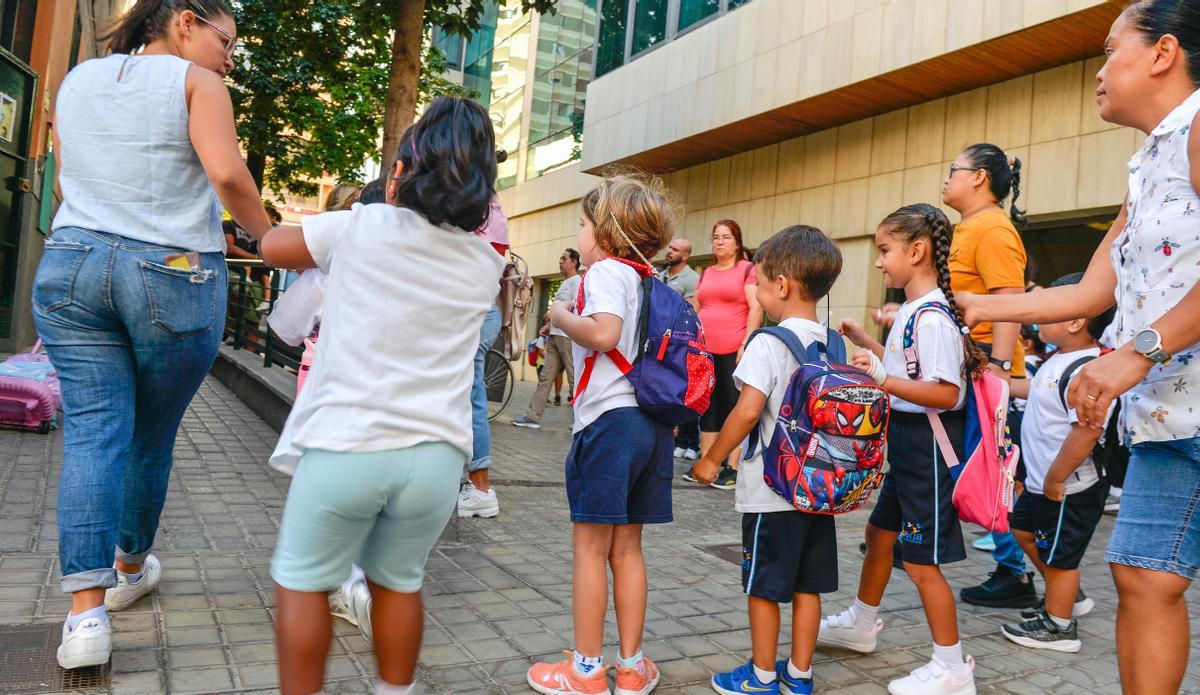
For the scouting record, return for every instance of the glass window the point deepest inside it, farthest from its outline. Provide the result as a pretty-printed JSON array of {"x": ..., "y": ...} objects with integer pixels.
[
  {"x": 649, "y": 24},
  {"x": 737, "y": 3},
  {"x": 613, "y": 16},
  {"x": 451, "y": 47},
  {"x": 692, "y": 11}
]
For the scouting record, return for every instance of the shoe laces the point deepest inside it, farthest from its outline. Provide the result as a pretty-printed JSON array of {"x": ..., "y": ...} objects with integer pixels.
[{"x": 466, "y": 490}]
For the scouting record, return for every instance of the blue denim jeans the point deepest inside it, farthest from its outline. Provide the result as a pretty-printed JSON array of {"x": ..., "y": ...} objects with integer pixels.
[
  {"x": 481, "y": 456},
  {"x": 1159, "y": 524},
  {"x": 132, "y": 340},
  {"x": 1008, "y": 553}
]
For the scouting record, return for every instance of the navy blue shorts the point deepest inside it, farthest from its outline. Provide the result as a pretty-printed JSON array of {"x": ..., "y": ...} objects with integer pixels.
[
  {"x": 619, "y": 470},
  {"x": 786, "y": 553},
  {"x": 1061, "y": 532},
  {"x": 916, "y": 499}
]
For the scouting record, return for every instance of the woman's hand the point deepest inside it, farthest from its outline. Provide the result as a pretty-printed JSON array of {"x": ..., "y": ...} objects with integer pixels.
[
  {"x": 885, "y": 315},
  {"x": 853, "y": 331},
  {"x": 968, "y": 302},
  {"x": 1102, "y": 380}
]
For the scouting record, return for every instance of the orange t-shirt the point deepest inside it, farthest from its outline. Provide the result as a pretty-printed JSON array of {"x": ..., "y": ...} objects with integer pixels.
[{"x": 987, "y": 254}]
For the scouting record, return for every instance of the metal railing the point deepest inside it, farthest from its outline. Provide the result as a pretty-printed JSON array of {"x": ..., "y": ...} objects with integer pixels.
[{"x": 253, "y": 290}]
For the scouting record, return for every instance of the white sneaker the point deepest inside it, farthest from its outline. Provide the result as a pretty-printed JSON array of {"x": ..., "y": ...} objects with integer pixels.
[
  {"x": 126, "y": 593},
  {"x": 89, "y": 644},
  {"x": 474, "y": 502},
  {"x": 691, "y": 454},
  {"x": 1112, "y": 504},
  {"x": 360, "y": 606},
  {"x": 935, "y": 678},
  {"x": 339, "y": 606},
  {"x": 678, "y": 452},
  {"x": 841, "y": 631}
]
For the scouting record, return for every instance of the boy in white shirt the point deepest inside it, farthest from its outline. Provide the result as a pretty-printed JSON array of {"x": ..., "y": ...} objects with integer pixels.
[
  {"x": 1055, "y": 517},
  {"x": 787, "y": 556}
]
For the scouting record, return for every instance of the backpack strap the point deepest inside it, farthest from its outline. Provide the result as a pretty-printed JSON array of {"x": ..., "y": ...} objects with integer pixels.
[
  {"x": 589, "y": 363},
  {"x": 1064, "y": 381},
  {"x": 942, "y": 439},
  {"x": 912, "y": 365}
]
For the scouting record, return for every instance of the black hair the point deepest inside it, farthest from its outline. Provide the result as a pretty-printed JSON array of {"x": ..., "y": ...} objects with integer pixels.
[
  {"x": 273, "y": 213},
  {"x": 1179, "y": 18},
  {"x": 925, "y": 221},
  {"x": 1098, "y": 323},
  {"x": 1003, "y": 178},
  {"x": 148, "y": 20},
  {"x": 373, "y": 192},
  {"x": 803, "y": 254},
  {"x": 574, "y": 256},
  {"x": 449, "y": 158},
  {"x": 1028, "y": 332}
]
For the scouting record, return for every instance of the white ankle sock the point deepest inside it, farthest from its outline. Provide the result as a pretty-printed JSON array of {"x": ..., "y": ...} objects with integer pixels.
[
  {"x": 764, "y": 677},
  {"x": 382, "y": 688},
  {"x": 73, "y": 620},
  {"x": 795, "y": 672},
  {"x": 864, "y": 615},
  {"x": 631, "y": 662},
  {"x": 952, "y": 656},
  {"x": 1062, "y": 623},
  {"x": 586, "y": 665}
]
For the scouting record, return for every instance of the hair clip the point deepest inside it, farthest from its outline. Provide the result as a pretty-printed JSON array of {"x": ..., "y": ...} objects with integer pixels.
[{"x": 965, "y": 330}]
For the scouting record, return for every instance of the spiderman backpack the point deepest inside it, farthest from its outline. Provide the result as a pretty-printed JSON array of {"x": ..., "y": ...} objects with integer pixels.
[{"x": 826, "y": 453}]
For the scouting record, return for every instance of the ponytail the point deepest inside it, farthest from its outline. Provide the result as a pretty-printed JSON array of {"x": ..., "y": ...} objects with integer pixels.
[
  {"x": 1004, "y": 176},
  {"x": 148, "y": 20},
  {"x": 922, "y": 220}
]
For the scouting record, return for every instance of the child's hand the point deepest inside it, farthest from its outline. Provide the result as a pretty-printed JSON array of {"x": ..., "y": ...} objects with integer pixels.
[
  {"x": 871, "y": 364},
  {"x": 558, "y": 309},
  {"x": 853, "y": 331},
  {"x": 705, "y": 470},
  {"x": 1054, "y": 490}
]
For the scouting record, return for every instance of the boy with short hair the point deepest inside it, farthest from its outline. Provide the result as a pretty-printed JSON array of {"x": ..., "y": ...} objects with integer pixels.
[
  {"x": 787, "y": 556},
  {"x": 1055, "y": 517}
]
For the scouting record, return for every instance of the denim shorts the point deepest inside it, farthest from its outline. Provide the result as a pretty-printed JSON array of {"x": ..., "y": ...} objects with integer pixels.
[
  {"x": 1158, "y": 527},
  {"x": 619, "y": 470}
]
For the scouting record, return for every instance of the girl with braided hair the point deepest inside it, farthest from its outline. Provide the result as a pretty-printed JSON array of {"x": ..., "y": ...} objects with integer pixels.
[{"x": 915, "y": 505}]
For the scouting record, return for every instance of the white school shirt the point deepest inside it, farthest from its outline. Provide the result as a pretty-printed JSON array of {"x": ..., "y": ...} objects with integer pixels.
[
  {"x": 566, "y": 293},
  {"x": 767, "y": 365},
  {"x": 1157, "y": 261},
  {"x": 609, "y": 287},
  {"x": 940, "y": 349},
  {"x": 404, "y": 304},
  {"x": 1047, "y": 423}
]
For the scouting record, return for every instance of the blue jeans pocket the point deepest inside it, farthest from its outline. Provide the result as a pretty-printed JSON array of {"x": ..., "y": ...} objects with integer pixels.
[
  {"x": 182, "y": 302},
  {"x": 55, "y": 282}
]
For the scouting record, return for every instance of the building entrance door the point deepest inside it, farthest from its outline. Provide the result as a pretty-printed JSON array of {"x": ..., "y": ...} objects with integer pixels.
[
  {"x": 17, "y": 84},
  {"x": 1065, "y": 246}
]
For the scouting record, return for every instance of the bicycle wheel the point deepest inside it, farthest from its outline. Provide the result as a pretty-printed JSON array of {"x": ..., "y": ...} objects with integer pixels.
[{"x": 499, "y": 379}]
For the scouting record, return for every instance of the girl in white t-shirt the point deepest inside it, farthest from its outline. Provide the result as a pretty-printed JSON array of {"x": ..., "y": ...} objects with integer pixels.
[
  {"x": 915, "y": 503},
  {"x": 620, "y": 464},
  {"x": 378, "y": 438}
]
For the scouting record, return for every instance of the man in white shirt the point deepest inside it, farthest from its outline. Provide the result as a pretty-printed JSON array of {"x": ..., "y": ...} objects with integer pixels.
[{"x": 558, "y": 346}]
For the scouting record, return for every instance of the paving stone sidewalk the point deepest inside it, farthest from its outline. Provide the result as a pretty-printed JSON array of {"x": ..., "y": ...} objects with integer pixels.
[{"x": 498, "y": 591}]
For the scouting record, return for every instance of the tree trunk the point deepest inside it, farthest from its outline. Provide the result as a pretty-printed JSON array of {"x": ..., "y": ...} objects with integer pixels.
[
  {"x": 408, "y": 23},
  {"x": 256, "y": 162}
]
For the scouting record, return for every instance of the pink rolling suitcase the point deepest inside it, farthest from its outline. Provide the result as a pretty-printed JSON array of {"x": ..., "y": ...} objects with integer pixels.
[{"x": 30, "y": 396}]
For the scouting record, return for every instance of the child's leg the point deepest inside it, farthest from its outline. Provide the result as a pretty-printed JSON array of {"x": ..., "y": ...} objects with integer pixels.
[
  {"x": 938, "y": 602},
  {"x": 806, "y": 620},
  {"x": 591, "y": 545},
  {"x": 877, "y": 565},
  {"x": 1026, "y": 540},
  {"x": 764, "y": 631},
  {"x": 629, "y": 586},
  {"x": 303, "y": 633},
  {"x": 1062, "y": 586},
  {"x": 396, "y": 647}
]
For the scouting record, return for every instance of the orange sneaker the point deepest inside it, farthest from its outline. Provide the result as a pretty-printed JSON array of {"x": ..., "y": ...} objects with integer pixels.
[
  {"x": 561, "y": 679},
  {"x": 637, "y": 681}
]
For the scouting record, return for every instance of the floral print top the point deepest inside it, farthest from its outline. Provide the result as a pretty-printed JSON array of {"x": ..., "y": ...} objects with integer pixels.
[{"x": 1157, "y": 261}]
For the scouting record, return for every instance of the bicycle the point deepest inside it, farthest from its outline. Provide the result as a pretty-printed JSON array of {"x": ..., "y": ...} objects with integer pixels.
[{"x": 499, "y": 379}]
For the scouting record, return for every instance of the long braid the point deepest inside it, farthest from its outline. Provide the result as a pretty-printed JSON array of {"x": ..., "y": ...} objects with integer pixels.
[{"x": 975, "y": 361}]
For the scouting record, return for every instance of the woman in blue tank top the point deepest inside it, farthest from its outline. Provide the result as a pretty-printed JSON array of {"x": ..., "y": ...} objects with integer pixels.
[{"x": 130, "y": 294}]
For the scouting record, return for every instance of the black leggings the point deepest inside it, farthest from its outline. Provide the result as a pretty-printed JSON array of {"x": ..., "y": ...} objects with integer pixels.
[{"x": 724, "y": 395}]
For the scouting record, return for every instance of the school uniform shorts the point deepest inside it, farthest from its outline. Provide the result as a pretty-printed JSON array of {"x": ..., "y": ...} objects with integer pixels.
[
  {"x": 786, "y": 553},
  {"x": 1061, "y": 531},
  {"x": 619, "y": 470}
]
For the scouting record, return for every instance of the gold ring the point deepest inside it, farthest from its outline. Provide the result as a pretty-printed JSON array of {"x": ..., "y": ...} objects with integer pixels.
[{"x": 1092, "y": 398}]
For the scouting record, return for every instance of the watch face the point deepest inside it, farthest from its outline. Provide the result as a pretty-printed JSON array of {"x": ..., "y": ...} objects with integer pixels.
[{"x": 1145, "y": 341}]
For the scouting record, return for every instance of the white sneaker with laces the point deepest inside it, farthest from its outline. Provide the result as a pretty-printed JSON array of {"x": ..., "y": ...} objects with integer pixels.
[
  {"x": 89, "y": 644},
  {"x": 936, "y": 678},
  {"x": 339, "y": 606},
  {"x": 841, "y": 631},
  {"x": 126, "y": 593},
  {"x": 678, "y": 452},
  {"x": 691, "y": 454},
  {"x": 474, "y": 502}
]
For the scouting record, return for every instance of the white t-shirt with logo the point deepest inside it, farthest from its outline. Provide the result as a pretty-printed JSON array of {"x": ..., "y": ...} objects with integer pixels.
[
  {"x": 609, "y": 287},
  {"x": 767, "y": 365},
  {"x": 940, "y": 351},
  {"x": 1047, "y": 423},
  {"x": 403, "y": 307}
]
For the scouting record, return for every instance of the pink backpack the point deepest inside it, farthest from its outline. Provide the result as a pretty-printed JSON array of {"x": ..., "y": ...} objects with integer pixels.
[
  {"x": 983, "y": 482},
  {"x": 30, "y": 396}
]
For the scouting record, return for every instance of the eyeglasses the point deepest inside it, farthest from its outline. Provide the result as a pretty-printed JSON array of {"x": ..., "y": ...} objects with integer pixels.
[
  {"x": 955, "y": 168},
  {"x": 229, "y": 41}
]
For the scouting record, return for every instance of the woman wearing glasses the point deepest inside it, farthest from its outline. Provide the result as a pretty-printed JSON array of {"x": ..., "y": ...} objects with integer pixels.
[{"x": 130, "y": 293}]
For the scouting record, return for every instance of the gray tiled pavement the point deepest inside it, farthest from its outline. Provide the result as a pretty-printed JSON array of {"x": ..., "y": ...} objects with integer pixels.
[{"x": 496, "y": 599}]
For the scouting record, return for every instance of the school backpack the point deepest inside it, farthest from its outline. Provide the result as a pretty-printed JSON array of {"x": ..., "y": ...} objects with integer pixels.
[
  {"x": 983, "y": 481},
  {"x": 514, "y": 302},
  {"x": 1110, "y": 456},
  {"x": 30, "y": 395},
  {"x": 672, "y": 372},
  {"x": 826, "y": 453}
]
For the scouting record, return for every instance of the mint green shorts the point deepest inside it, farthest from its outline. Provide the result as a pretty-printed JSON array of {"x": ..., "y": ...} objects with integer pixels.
[{"x": 382, "y": 510}]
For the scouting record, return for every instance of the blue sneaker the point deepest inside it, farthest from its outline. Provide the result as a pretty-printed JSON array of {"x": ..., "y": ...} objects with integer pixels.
[
  {"x": 742, "y": 681},
  {"x": 789, "y": 685}
]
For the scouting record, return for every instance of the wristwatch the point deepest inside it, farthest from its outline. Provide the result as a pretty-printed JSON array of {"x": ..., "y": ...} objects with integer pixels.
[
  {"x": 1006, "y": 365},
  {"x": 1148, "y": 343}
]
